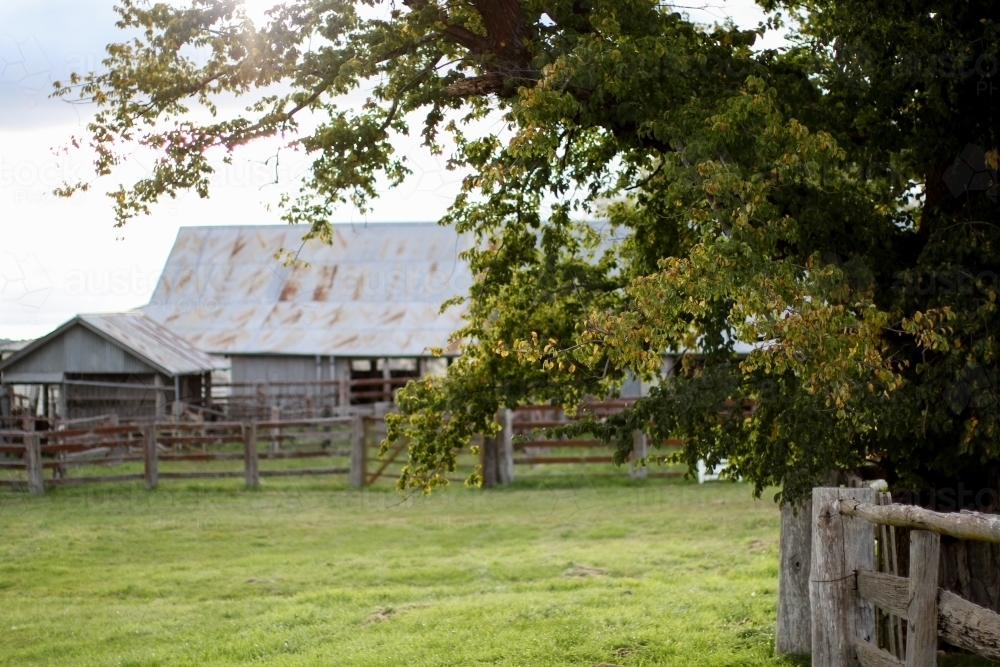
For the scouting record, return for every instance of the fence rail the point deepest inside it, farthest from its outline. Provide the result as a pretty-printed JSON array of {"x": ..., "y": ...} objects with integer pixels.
[
  {"x": 525, "y": 445},
  {"x": 349, "y": 440},
  {"x": 156, "y": 443},
  {"x": 964, "y": 525},
  {"x": 845, "y": 589}
]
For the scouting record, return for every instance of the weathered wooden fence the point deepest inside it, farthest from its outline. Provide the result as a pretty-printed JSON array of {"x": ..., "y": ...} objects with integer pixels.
[
  {"x": 845, "y": 589},
  {"x": 522, "y": 445},
  {"x": 388, "y": 467},
  {"x": 299, "y": 399},
  {"x": 248, "y": 450},
  {"x": 249, "y": 447}
]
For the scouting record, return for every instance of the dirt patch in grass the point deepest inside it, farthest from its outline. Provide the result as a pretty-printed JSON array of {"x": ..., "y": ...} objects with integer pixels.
[
  {"x": 381, "y": 614},
  {"x": 584, "y": 571}
]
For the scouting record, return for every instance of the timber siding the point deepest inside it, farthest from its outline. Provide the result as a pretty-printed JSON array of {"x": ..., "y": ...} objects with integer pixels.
[{"x": 78, "y": 351}]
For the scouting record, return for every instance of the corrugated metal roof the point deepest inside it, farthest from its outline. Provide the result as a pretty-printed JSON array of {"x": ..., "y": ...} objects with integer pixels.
[
  {"x": 7, "y": 345},
  {"x": 138, "y": 335},
  {"x": 152, "y": 342},
  {"x": 375, "y": 291}
]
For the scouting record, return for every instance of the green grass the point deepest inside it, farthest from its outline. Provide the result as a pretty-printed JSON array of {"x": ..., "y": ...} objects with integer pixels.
[{"x": 306, "y": 572}]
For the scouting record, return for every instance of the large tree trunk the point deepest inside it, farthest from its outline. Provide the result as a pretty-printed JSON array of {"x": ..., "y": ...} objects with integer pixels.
[
  {"x": 505, "y": 29},
  {"x": 972, "y": 569},
  {"x": 968, "y": 569},
  {"x": 491, "y": 462}
]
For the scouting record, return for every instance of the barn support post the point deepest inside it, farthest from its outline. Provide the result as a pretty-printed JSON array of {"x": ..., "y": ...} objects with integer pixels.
[
  {"x": 506, "y": 463},
  {"x": 841, "y": 545},
  {"x": 358, "y": 453},
  {"x": 387, "y": 376},
  {"x": 178, "y": 410},
  {"x": 342, "y": 373},
  {"x": 33, "y": 455},
  {"x": 206, "y": 387},
  {"x": 150, "y": 458},
  {"x": 793, "y": 634},
  {"x": 329, "y": 390},
  {"x": 921, "y": 610},
  {"x": 161, "y": 399},
  {"x": 250, "y": 461},
  {"x": 63, "y": 409},
  {"x": 33, "y": 401}
]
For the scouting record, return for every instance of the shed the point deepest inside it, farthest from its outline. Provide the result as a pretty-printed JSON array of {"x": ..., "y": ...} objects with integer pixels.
[
  {"x": 365, "y": 306},
  {"x": 118, "y": 363}
]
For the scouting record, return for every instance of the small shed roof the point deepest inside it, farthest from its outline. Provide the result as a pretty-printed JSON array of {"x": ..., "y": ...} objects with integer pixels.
[
  {"x": 7, "y": 345},
  {"x": 374, "y": 291},
  {"x": 136, "y": 334}
]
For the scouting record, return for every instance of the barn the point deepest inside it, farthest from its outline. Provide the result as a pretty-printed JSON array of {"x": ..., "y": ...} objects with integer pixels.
[
  {"x": 313, "y": 325},
  {"x": 119, "y": 363}
]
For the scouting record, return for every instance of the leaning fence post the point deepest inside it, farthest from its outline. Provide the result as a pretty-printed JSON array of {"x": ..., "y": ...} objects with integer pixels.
[
  {"x": 357, "y": 471},
  {"x": 922, "y": 612},
  {"x": 250, "y": 463},
  {"x": 33, "y": 453},
  {"x": 151, "y": 458},
  {"x": 793, "y": 633},
  {"x": 841, "y": 545}
]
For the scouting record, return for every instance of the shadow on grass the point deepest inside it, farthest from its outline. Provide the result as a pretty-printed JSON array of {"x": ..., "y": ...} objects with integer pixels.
[{"x": 569, "y": 481}]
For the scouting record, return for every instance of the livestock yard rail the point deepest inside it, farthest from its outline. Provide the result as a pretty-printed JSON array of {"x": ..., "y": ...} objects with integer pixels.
[
  {"x": 165, "y": 450},
  {"x": 348, "y": 443},
  {"x": 300, "y": 399},
  {"x": 526, "y": 445},
  {"x": 846, "y": 589}
]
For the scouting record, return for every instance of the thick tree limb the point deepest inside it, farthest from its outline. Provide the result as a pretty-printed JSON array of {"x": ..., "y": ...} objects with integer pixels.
[{"x": 475, "y": 86}]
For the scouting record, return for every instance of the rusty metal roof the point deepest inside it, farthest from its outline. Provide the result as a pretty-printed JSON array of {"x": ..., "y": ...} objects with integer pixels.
[
  {"x": 138, "y": 335},
  {"x": 375, "y": 291}
]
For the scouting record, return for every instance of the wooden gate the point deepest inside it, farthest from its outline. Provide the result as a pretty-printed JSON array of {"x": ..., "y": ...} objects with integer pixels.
[{"x": 845, "y": 588}]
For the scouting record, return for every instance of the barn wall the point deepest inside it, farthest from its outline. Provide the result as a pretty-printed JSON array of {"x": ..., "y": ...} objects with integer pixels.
[
  {"x": 131, "y": 397},
  {"x": 134, "y": 402},
  {"x": 79, "y": 350},
  {"x": 273, "y": 368},
  {"x": 288, "y": 382}
]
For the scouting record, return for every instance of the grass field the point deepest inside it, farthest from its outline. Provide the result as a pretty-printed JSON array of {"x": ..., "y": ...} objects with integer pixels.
[{"x": 307, "y": 572}]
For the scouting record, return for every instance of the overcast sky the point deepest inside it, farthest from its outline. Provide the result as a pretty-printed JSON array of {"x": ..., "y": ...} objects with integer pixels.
[{"x": 62, "y": 257}]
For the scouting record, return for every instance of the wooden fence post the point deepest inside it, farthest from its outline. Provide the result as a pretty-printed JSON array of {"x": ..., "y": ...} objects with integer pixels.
[
  {"x": 921, "y": 611},
  {"x": 639, "y": 451},
  {"x": 275, "y": 431},
  {"x": 250, "y": 463},
  {"x": 33, "y": 454},
  {"x": 794, "y": 627},
  {"x": 151, "y": 458},
  {"x": 358, "y": 452},
  {"x": 507, "y": 451},
  {"x": 841, "y": 545}
]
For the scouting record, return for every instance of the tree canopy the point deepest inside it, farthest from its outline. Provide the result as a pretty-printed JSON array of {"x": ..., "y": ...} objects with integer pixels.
[{"x": 831, "y": 204}]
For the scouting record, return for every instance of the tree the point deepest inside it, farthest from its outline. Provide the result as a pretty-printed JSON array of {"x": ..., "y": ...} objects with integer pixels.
[{"x": 832, "y": 203}]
